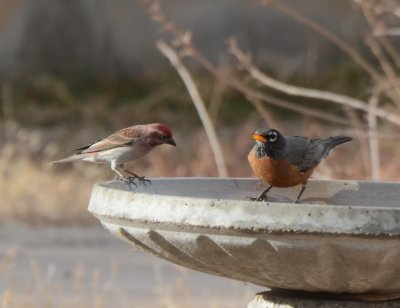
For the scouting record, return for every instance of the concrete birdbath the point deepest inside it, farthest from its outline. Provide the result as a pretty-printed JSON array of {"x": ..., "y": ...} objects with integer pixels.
[{"x": 341, "y": 242}]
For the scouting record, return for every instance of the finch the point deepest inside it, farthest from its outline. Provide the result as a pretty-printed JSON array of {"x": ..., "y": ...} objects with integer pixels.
[
  {"x": 288, "y": 161},
  {"x": 123, "y": 146}
]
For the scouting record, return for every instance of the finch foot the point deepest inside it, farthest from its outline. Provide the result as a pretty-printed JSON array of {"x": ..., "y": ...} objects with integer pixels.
[
  {"x": 141, "y": 179},
  {"x": 134, "y": 176},
  {"x": 128, "y": 181}
]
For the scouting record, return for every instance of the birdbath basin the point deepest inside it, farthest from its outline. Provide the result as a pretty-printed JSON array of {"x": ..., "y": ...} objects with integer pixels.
[{"x": 344, "y": 237}]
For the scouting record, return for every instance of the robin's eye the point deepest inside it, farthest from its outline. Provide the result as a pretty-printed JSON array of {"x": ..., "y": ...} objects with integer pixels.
[{"x": 272, "y": 137}]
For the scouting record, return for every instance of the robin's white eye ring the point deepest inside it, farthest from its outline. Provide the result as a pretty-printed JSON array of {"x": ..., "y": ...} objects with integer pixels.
[{"x": 273, "y": 137}]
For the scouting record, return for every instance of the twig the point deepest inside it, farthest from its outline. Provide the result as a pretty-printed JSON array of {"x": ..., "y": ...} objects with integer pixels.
[
  {"x": 173, "y": 57},
  {"x": 182, "y": 40},
  {"x": 217, "y": 94},
  {"x": 386, "y": 66},
  {"x": 268, "y": 81},
  {"x": 378, "y": 26},
  {"x": 362, "y": 139},
  {"x": 373, "y": 139},
  {"x": 263, "y": 112},
  {"x": 252, "y": 94},
  {"x": 387, "y": 32},
  {"x": 345, "y": 47}
]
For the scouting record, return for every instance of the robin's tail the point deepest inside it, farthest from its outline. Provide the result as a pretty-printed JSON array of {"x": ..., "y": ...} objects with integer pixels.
[{"x": 332, "y": 142}]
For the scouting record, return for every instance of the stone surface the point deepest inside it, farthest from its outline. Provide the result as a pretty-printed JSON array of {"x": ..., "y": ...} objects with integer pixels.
[
  {"x": 270, "y": 299},
  {"x": 342, "y": 238}
]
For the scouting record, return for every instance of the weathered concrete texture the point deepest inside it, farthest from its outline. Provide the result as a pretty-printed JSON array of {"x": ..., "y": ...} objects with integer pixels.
[
  {"x": 271, "y": 300},
  {"x": 343, "y": 238}
]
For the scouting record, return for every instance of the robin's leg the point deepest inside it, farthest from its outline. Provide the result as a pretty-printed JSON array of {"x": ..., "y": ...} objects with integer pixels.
[
  {"x": 135, "y": 176},
  {"x": 263, "y": 196},
  {"x": 303, "y": 188}
]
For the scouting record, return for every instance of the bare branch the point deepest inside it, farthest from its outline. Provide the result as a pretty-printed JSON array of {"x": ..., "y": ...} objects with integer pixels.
[
  {"x": 378, "y": 26},
  {"x": 251, "y": 94},
  {"x": 245, "y": 62},
  {"x": 198, "y": 103},
  {"x": 387, "y": 32},
  {"x": 373, "y": 139},
  {"x": 187, "y": 49},
  {"x": 362, "y": 139},
  {"x": 394, "y": 92},
  {"x": 345, "y": 47},
  {"x": 263, "y": 112}
]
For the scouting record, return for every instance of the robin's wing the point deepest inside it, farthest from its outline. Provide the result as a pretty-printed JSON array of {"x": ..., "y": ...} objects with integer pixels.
[
  {"x": 305, "y": 153},
  {"x": 123, "y": 137}
]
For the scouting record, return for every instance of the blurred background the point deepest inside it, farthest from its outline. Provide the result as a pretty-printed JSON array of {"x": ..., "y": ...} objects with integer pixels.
[{"x": 75, "y": 71}]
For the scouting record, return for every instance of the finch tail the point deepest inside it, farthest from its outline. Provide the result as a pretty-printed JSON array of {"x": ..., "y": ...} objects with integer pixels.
[{"x": 69, "y": 159}]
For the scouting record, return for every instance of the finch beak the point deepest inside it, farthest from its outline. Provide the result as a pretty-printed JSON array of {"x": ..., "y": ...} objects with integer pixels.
[
  {"x": 171, "y": 142},
  {"x": 259, "y": 138}
]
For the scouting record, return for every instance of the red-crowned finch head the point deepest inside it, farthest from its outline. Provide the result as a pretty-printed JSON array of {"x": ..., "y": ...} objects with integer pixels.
[{"x": 160, "y": 134}]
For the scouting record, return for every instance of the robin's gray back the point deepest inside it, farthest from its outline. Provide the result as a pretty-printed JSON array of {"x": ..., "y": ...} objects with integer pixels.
[{"x": 305, "y": 153}]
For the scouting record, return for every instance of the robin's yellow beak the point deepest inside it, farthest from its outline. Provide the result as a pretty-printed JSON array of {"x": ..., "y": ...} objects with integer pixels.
[{"x": 259, "y": 138}]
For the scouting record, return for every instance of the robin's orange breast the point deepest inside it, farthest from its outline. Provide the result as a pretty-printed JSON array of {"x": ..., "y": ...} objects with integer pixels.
[{"x": 278, "y": 172}]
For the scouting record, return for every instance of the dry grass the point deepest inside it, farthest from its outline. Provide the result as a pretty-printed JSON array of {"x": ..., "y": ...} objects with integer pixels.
[{"x": 34, "y": 192}]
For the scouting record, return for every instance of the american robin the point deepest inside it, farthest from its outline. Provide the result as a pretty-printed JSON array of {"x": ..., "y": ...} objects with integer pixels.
[{"x": 288, "y": 161}]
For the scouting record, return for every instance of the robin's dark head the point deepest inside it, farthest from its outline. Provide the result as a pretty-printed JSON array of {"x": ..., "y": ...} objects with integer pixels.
[{"x": 269, "y": 142}]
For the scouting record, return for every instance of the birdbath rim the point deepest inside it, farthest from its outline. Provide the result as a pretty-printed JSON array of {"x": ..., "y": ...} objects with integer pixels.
[{"x": 220, "y": 205}]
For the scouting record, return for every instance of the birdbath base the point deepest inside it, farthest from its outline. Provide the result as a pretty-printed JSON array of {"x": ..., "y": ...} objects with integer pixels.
[
  {"x": 283, "y": 299},
  {"x": 343, "y": 238}
]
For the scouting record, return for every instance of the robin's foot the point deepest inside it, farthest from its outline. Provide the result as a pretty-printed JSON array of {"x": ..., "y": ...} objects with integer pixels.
[
  {"x": 259, "y": 198},
  {"x": 262, "y": 197},
  {"x": 303, "y": 188}
]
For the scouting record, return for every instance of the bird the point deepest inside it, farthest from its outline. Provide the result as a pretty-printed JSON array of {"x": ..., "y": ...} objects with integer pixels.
[
  {"x": 123, "y": 146},
  {"x": 282, "y": 161}
]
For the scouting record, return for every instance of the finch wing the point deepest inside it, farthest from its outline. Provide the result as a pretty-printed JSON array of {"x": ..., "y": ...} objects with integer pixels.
[
  {"x": 123, "y": 137},
  {"x": 305, "y": 153}
]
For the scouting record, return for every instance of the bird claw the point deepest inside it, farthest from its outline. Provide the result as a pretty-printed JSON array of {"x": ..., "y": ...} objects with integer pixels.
[
  {"x": 141, "y": 179},
  {"x": 257, "y": 199},
  {"x": 128, "y": 181},
  {"x": 131, "y": 180}
]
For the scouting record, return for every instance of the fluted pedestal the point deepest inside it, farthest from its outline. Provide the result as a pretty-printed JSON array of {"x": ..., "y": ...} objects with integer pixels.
[
  {"x": 272, "y": 299},
  {"x": 343, "y": 238}
]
